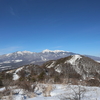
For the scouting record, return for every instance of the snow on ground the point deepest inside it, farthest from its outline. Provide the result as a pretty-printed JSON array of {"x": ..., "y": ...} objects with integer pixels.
[
  {"x": 15, "y": 75},
  {"x": 2, "y": 89},
  {"x": 60, "y": 91},
  {"x": 51, "y": 65},
  {"x": 44, "y": 98},
  {"x": 58, "y": 69},
  {"x": 98, "y": 61},
  {"x": 73, "y": 59}
]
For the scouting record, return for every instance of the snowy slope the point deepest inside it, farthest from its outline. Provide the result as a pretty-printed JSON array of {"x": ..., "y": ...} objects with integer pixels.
[
  {"x": 73, "y": 59},
  {"x": 76, "y": 64},
  {"x": 62, "y": 91},
  {"x": 15, "y": 75}
]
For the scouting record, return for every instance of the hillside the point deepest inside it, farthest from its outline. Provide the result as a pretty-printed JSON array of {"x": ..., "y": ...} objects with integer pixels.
[{"x": 72, "y": 68}]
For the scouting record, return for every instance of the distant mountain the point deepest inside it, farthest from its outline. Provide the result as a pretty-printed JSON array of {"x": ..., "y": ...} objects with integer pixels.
[{"x": 17, "y": 59}]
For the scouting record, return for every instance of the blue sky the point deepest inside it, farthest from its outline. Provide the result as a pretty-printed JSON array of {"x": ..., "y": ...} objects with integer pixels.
[{"x": 35, "y": 25}]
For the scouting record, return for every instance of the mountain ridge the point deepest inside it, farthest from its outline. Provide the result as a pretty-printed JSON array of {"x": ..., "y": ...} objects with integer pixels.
[{"x": 19, "y": 58}]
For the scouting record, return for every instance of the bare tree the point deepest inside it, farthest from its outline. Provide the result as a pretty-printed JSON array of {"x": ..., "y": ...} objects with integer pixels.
[{"x": 77, "y": 93}]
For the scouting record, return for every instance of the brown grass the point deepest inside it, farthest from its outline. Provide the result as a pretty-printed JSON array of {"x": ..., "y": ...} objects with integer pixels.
[
  {"x": 31, "y": 94},
  {"x": 47, "y": 90}
]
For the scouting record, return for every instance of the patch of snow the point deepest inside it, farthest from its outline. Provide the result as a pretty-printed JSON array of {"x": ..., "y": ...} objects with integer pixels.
[
  {"x": 15, "y": 61},
  {"x": 44, "y": 59},
  {"x": 2, "y": 89},
  {"x": 15, "y": 75},
  {"x": 19, "y": 52},
  {"x": 57, "y": 69},
  {"x": 44, "y": 51},
  {"x": 8, "y": 54},
  {"x": 6, "y": 62},
  {"x": 98, "y": 61},
  {"x": 51, "y": 65},
  {"x": 73, "y": 59}
]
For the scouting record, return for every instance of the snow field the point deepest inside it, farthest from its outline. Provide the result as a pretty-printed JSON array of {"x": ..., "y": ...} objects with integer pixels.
[{"x": 59, "y": 91}]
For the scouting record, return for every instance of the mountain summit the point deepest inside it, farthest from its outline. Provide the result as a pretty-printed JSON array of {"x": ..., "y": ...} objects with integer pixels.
[
  {"x": 75, "y": 64},
  {"x": 54, "y": 51}
]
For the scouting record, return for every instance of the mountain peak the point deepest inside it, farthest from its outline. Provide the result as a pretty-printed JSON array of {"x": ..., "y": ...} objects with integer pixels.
[
  {"x": 55, "y": 51},
  {"x": 21, "y": 52},
  {"x": 46, "y": 50},
  {"x": 73, "y": 59}
]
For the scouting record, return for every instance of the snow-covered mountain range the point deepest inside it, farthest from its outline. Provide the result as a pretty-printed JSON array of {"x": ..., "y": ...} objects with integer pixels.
[{"x": 19, "y": 58}]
